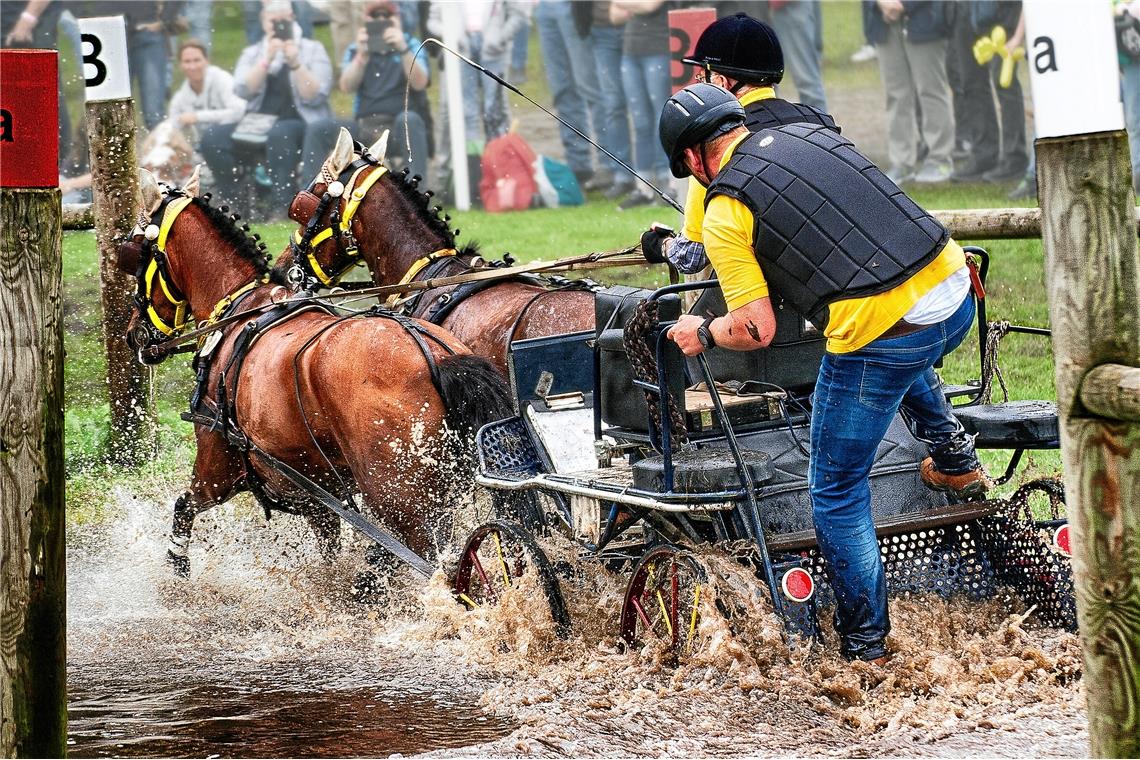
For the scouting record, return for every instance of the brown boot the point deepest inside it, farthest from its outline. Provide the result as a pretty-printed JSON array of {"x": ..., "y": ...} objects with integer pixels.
[{"x": 969, "y": 486}]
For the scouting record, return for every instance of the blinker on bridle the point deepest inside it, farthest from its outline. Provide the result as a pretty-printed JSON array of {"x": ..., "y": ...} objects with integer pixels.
[
  {"x": 146, "y": 250},
  {"x": 308, "y": 209}
]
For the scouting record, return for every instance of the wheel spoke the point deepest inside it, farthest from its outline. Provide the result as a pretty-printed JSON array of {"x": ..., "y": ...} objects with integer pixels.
[
  {"x": 693, "y": 617},
  {"x": 493, "y": 597},
  {"x": 502, "y": 560}
]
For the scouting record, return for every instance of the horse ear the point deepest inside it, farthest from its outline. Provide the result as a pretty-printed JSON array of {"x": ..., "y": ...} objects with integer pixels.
[
  {"x": 192, "y": 187},
  {"x": 379, "y": 148},
  {"x": 340, "y": 157},
  {"x": 149, "y": 191}
]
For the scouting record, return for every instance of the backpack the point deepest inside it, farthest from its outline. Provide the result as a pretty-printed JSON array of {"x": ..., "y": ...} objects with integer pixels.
[
  {"x": 556, "y": 183},
  {"x": 508, "y": 181}
]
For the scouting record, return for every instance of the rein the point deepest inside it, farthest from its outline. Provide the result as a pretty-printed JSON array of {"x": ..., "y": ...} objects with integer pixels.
[{"x": 503, "y": 273}]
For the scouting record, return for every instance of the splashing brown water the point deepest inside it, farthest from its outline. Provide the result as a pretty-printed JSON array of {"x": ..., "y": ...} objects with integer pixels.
[{"x": 265, "y": 654}]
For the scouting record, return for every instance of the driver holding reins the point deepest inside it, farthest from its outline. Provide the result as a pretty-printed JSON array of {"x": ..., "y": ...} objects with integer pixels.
[{"x": 798, "y": 209}]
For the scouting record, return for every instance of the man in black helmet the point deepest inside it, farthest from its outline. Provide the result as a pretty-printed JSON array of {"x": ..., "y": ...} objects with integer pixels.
[
  {"x": 798, "y": 208},
  {"x": 744, "y": 56}
]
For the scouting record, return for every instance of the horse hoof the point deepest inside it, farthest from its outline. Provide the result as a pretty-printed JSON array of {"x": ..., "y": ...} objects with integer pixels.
[{"x": 180, "y": 565}]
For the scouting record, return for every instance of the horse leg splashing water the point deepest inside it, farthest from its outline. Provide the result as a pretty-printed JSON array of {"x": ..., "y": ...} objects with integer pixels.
[
  {"x": 393, "y": 230},
  {"x": 378, "y": 406}
]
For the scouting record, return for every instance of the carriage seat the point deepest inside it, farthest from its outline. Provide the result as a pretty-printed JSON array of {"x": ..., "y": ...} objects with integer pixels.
[
  {"x": 1011, "y": 425},
  {"x": 706, "y": 470}
]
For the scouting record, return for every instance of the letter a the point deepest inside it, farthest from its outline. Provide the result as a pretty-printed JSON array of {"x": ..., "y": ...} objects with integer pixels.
[
  {"x": 1044, "y": 59},
  {"x": 6, "y": 125}
]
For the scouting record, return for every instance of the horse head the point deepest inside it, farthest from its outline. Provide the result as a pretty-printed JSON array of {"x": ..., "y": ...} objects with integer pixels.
[
  {"x": 356, "y": 210},
  {"x": 185, "y": 256}
]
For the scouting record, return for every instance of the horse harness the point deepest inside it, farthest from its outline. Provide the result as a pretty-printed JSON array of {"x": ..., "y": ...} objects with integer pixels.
[{"x": 308, "y": 209}]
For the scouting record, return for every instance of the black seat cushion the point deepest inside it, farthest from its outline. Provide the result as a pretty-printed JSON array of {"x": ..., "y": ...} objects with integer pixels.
[
  {"x": 706, "y": 470},
  {"x": 1012, "y": 424}
]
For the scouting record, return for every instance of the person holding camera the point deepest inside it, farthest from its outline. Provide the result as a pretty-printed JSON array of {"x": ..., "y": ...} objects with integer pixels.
[
  {"x": 378, "y": 67},
  {"x": 286, "y": 79}
]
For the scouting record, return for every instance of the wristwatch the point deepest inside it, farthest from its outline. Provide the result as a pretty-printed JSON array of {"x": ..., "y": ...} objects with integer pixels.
[{"x": 704, "y": 334}]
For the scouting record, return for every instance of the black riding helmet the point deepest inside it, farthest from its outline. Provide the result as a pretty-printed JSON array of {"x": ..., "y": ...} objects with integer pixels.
[
  {"x": 742, "y": 48},
  {"x": 695, "y": 114}
]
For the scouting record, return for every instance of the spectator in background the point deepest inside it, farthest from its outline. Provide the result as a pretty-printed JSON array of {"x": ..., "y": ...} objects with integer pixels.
[
  {"x": 997, "y": 155},
  {"x": 251, "y": 19},
  {"x": 604, "y": 38},
  {"x": 206, "y": 96},
  {"x": 798, "y": 25},
  {"x": 1128, "y": 50},
  {"x": 645, "y": 79},
  {"x": 573, "y": 81},
  {"x": 911, "y": 40},
  {"x": 519, "y": 53},
  {"x": 289, "y": 77},
  {"x": 378, "y": 77},
  {"x": 198, "y": 15}
]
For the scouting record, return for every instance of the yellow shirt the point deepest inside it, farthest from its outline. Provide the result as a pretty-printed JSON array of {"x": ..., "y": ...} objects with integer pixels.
[
  {"x": 853, "y": 322},
  {"x": 695, "y": 199}
]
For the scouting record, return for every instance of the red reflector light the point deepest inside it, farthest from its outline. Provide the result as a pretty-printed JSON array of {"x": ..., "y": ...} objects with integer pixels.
[
  {"x": 797, "y": 584},
  {"x": 1061, "y": 540}
]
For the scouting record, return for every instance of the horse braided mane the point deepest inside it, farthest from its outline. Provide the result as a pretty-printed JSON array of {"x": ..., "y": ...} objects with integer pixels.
[
  {"x": 420, "y": 202},
  {"x": 248, "y": 246}
]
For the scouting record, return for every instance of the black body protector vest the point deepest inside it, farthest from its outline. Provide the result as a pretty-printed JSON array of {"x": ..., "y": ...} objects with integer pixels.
[
  {"x": 774, "y": 112},
  {"x": 829, "y": 224}
]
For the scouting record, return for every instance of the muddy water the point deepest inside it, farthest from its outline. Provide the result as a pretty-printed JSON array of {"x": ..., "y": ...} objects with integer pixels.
[{"x": 263, "y": 653}]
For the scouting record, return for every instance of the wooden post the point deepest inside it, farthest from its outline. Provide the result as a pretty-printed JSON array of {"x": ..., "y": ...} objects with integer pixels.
[
  {"x": 33, "y": 641},
  {"x": 114, "y": 186},
  {"x": 1092, "y": 271}
]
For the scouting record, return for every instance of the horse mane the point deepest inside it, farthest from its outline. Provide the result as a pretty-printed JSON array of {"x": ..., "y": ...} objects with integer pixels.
[
  {"x": 420, "y": 203},
  {"x": 247, "y": 246}
]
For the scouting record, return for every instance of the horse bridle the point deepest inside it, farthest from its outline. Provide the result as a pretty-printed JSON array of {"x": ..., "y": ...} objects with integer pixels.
[
  {"x": 308, "y": 209},
  {"x": 147, "y": 247}
]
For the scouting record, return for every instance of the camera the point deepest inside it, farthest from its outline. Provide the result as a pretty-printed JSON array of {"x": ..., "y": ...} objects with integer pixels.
[
  {"x": 283, "y": 29},
  {"x": 376, "y": 42}
]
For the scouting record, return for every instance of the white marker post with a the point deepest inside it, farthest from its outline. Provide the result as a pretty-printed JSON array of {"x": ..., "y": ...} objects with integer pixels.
[
  {"x": 115, "y": 191},
  {"x": 1092, "y": 276}
]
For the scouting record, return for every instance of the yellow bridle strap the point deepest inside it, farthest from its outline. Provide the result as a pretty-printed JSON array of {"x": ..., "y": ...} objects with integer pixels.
[
  {"x": 224, "y": 304},
  {"x": 418, "y": 267},
  {"x": 153, "y": 272},
  {"x": 356, "y": 196},
  {"x": 419, "y": 264}
]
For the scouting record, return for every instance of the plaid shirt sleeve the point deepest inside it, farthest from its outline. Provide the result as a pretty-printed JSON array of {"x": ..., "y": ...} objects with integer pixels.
[{"x": 687, "y": 256}]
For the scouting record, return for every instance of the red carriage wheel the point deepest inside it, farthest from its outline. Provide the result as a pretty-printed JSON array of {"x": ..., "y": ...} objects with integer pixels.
[
  {"x": 663, "y": 599},
  {"x": 494, "y": 558}
]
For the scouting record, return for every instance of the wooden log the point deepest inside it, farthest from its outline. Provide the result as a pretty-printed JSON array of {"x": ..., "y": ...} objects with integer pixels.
[
  {"x": 33, "y": 642},
  {"x": 78, "y": 216},
  {"x": 1092, "y": 273},
  {"x": 1112, "y": 391},
  {"x": 114, "y": 177}
]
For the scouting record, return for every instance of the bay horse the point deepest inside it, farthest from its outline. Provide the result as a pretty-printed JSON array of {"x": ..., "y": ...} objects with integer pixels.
[
  {"x": 370, "y": 405},
  {"x": 356, "y": 210}
]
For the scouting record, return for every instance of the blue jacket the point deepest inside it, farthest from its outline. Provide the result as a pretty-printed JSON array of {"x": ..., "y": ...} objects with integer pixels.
[{"x": 923, "y": 21}]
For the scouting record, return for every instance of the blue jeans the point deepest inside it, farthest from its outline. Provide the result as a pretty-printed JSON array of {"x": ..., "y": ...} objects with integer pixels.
[
  {"x": 645, "y": 79},
  {"x": 613, "y": 127},
  {"x": 484, "y": 102},
  {"x": 1130, "y": 86},
  {"x": 518, "y": 48},
  {"x": 795, "y": 25},
  {"x": 572, "y": 78},
  {"x": 147, "y": 57},
  {"x": 198, "y": 15},
  {"x": 856, "y": 397}
]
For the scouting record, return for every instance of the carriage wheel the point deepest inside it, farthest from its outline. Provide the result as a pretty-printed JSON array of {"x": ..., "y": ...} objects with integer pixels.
[
  {"x": 496, "y": 555},
  {"x": 663, "y": 600}
]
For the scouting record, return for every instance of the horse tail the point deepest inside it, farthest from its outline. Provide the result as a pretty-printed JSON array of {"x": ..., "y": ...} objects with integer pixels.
[{"x": 473, "y": 392}]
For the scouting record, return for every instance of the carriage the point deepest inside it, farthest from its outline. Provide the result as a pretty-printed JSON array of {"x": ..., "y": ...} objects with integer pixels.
[{"x": 637, "y": 456}]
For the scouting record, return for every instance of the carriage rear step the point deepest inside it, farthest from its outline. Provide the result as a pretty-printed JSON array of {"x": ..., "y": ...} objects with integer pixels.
[{"x": 953, "y": 514}]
